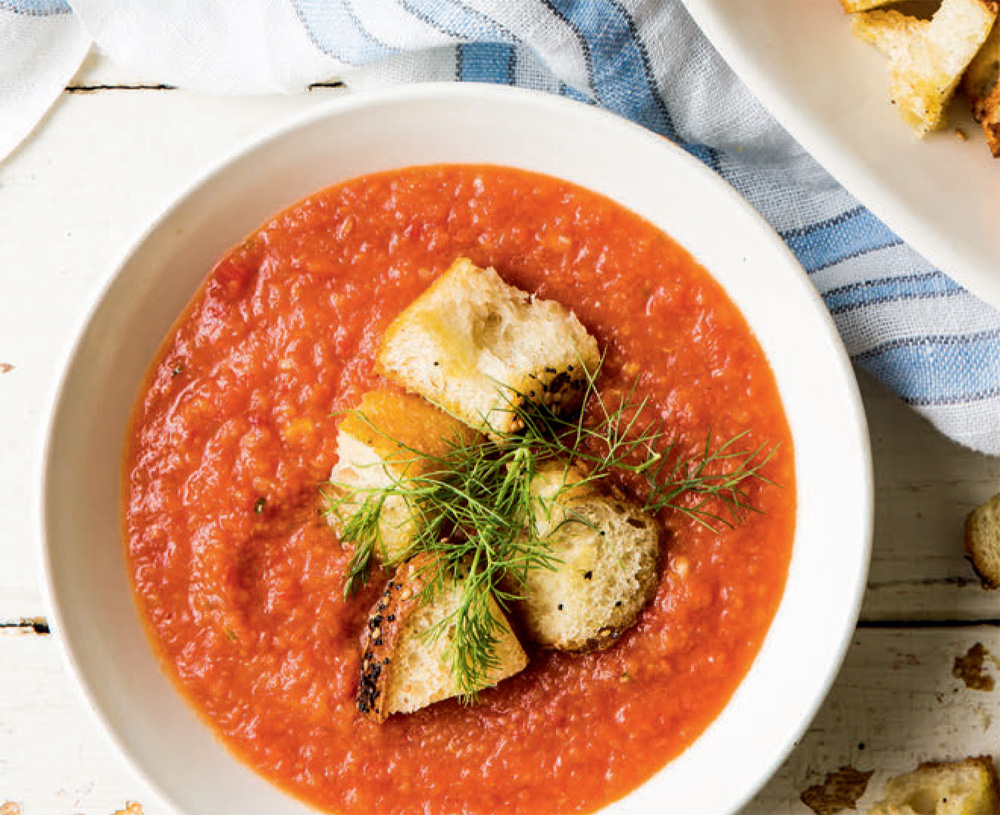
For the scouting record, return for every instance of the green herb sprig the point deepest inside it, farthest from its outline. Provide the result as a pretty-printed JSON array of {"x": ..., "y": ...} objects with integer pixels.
[{"x": 477, "y": 510}]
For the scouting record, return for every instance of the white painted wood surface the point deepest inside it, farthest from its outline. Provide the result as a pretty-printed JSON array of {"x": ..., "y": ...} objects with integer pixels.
[{"x": 102, "y": 164}]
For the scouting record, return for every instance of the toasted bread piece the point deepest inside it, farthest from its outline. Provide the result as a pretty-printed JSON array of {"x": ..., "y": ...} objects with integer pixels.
[
  {"x": 982, "y": 542},
  {"x": 927, "y": 57},
  {"x": 471, "y": 344},
  {"x": 376, "y": 447},
  {"x": 982, "y": 85},
  {"x": 854, "y": 6},
  {"x": 608, "y": 552},
  {"x": 403, "y": 670},
  {"x": 967, "y": 787}
]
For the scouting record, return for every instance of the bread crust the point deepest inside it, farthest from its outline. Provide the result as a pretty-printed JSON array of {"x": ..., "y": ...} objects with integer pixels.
[
  {"x": 945, "y": 781},
  {"x": 390, "y": 437},
  {"x": 927, "y": 58},
  {"x": 982, "y": 85},
  {"x": 607, "y": 555},
  {"x": 854, "y": 6},
  {"x": 393, "y": 422},
  {"x": 380, "y": 641},
  {"x": 982, "y": 542},
  {"x": 477, "y": 347},
  {"x": 395, "y": 632}
]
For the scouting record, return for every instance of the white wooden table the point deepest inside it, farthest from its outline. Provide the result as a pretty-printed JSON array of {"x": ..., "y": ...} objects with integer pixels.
[{"x": 111, "y": 153}]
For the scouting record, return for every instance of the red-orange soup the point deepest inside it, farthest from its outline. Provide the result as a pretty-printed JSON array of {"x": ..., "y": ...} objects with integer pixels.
[{"x": 241, "y": 579}]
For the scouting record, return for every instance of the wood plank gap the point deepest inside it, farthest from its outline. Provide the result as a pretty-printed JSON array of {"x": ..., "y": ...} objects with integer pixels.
[
  {"x": 992, "y": 622},
  {"x": 96, "y": 88},
  {"x": 961, "y": 582},
  {"x": 25, "y": 625}
]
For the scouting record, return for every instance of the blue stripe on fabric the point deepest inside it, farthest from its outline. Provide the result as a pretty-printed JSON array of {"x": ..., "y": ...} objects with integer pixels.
[
  {"x": 913, "y": 367},
  {"x": 486, "y": 62},
  {"x": 36, "y": 8},
  {"x": 588, "y": 57},
  {"x": 890, "y": 289},
  {"x": 458, "y": 20},
  {"x": 821, "y": 245},
  {"x": 621, "y": 64},
  {"x": 701, "y": 152},
  {"x": 846, "y": 215},
  {"x": 979, "y": 396},
  {"x": 715, "y": 163},
  {"x": 854, "y": 254},
  {"x": 334, "y": 28},
  {"x": 572, "y": 93}
]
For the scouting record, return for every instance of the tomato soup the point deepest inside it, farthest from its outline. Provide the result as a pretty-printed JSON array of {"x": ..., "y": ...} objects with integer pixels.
[{"x": 240, "y": 578}]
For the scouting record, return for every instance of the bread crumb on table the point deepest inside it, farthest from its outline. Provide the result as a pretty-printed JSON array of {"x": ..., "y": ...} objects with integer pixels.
[
  {"x": 974, "y": 668},
  {"x": 840, "y": 790}
]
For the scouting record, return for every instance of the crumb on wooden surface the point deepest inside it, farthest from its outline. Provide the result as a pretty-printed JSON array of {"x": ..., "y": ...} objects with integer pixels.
[
  {"x": 10, "y": 808},
  {"x": 974, "y": 668},
  {"x": 960, "y": 134},
  {"x": 840, "y": 790},
  {"x": 5, "y": 367}
]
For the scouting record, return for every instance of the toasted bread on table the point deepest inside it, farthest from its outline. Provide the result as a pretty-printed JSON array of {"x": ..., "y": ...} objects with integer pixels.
[
  {"x": 982, "y": 542},
  {"x": 475, "y": 345},
  {"x": 403, "y": 669},
  {"x": 390, "y": 437},
  {"x": 607, "y": 552},
  {"x": 927, "y": 57},
  {"x": 982, "y": 85},
  {"x": 967, "y": 787}
]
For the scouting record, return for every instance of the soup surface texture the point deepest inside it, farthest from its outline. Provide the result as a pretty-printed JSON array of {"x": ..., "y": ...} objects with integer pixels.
[{"x": 240, "y": 577}]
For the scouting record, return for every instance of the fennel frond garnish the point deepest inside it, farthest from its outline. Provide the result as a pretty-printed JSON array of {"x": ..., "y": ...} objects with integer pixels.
[{"x": 477, "y": 510}]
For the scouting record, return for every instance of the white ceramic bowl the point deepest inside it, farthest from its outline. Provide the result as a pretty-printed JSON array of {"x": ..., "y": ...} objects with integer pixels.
[{"x": 86, "y": 573}]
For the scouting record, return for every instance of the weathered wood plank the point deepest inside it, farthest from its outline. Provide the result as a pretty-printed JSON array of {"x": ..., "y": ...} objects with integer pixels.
[
  {"x": 925, "y": 486},
  {"x": 54, "y": 758},
  {"x": 99, "y": 73},
  {"x": 98, "y": 70},
  {"x": 895, "y": 703}
]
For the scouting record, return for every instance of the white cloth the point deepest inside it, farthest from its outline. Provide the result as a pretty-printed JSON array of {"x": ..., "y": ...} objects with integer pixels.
[{"x": 41, "y": 47}]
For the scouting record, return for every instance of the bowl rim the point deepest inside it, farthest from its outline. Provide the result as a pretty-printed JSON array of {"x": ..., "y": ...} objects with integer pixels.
[{"x": 437, "y": 91}]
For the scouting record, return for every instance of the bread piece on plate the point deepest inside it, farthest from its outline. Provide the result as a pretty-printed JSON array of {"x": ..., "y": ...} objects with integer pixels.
[
  {"x": 967, "y": 787},
  {"x": 376, "y": 447},
  {"x": 927, "y": 57},
  {"x": 853, "y": 6},
  {"x": 402, "y": 670},
  {"x": 474, "y": 345},
  {"x": 982, "y": 85},
  {"x": 982, "y": 542},
  {"x": 608, "y": 553}
]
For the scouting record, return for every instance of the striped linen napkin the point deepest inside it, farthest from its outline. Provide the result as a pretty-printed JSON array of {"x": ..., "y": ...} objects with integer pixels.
[{"x": 924, "y": 336}]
